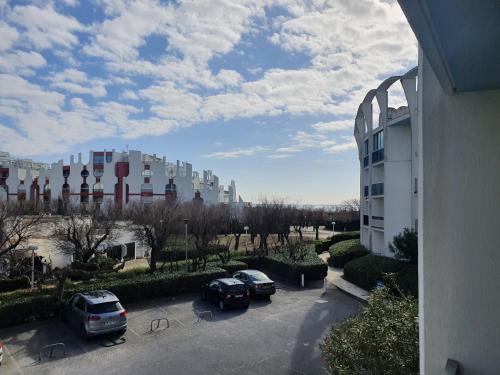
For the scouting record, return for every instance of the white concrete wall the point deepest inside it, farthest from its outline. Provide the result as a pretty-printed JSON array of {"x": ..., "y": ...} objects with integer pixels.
[{"x": 459, "y": 237}]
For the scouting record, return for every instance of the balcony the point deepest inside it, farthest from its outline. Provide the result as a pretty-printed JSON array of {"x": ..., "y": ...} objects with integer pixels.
[
  {"x": 378, "y": 222},
  {"x": 378, "y": 189},
  {"x": 378, "y": 156},
  {"x": 366, "y": 192},
  {"x": 366, "y": 161}
]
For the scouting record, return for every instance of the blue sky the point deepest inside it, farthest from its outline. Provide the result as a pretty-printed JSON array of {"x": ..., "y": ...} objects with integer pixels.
[{"x": 260, "y": 91}]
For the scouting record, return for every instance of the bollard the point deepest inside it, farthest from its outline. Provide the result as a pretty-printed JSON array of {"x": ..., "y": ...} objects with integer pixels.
[{"x": 302, "y": 280}]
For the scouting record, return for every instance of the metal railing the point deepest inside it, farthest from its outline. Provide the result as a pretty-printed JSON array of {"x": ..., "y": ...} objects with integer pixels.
[
  {"x": 378, "y": 189},
  {"x": 378, "y": 156}
]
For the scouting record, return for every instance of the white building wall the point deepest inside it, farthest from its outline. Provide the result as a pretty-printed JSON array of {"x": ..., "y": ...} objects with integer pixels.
[{"x": 460, "y": 228}]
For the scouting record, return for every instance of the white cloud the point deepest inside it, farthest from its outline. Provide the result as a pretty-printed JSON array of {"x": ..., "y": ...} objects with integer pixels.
[
  {"x": 237, "y": 153},
  {"x": 24, "y": 63},
  {"x": 77, "y": 82},
  {"x": 8, "y": 36},
  {"x": 45, "y": 27},
  {"x": 332, "y": 126}
]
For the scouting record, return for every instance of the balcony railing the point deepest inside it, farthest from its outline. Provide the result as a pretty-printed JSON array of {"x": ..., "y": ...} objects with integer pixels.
[
  {"x": 366, "y": 161},
  {"x": 378, "y": 156},
  {"x": 378, "y": 221},
  {"x": 378, "y": 189}
]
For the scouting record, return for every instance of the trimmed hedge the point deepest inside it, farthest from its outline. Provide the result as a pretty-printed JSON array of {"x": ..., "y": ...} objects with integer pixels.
[
  {"x": 324, "y": 245},
  {"x": 345, "y": 251},
  {"x": 312, "y": 267},
  {"x": 367, "y": 270},
  {"x": 8, "y": 285},
  {"x": 231, "y": 267},
  {"x": 141, "y": 287}
]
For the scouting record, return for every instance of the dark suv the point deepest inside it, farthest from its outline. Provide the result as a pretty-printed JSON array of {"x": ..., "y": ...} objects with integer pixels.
[{"x": 226, "y": 293}]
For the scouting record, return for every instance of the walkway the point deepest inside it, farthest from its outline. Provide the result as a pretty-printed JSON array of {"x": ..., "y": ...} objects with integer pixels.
[{"x": 335, "y": 278}]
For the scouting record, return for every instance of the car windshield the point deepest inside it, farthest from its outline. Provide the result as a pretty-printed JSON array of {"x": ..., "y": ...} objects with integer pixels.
[
  {"x": 103, "y": 308},
  {"x": 235, "y": 288},
  {"x": 259, "y": 277}
]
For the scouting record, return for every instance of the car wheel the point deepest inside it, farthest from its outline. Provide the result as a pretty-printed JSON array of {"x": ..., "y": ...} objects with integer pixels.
[
  {"x": 83, "y": 332},
  {"x": 222, "y": 307}
]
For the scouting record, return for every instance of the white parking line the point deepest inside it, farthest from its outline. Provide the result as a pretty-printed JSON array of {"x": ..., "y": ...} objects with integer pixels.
[{"x": 12, "y": 360}]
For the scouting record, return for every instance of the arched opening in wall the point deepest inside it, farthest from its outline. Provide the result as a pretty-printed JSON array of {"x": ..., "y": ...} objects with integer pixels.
[
  {"x": 46, "y": 193},
  {"x": 34, "y": 191},
  {"x": 66, "y": 192},
  {"x": 396, "y": 101},
  {"x": 170, "y": 190},
  {"x": 98, "y": 193},
  {"x": 375, "y": 114},
  {"x": 147, "y": 192},
  {"x": 84, "y": 193},
  {"x": 21, "y": 192}
]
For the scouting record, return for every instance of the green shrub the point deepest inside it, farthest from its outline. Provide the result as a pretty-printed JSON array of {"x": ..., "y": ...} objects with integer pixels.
[
  {"x": 344, "y": 236},
  {"x": 367, "y": 270},
  {"x": 8, "y": 285},
  {"x": 231, "y": 267},
  {"x": 323, "y": 245},
  {"x": 345, "y": 251},
  {"x": 405, "y": 246},
  {"x": 312, "y": 267},
  {"x": 252, "y": 261},
  {"x": 23, "y": 308},
  {"x": 382, "y": 340}
]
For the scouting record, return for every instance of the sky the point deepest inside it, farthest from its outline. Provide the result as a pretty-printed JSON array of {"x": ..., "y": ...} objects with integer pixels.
[{"x": 260, "y": 91}]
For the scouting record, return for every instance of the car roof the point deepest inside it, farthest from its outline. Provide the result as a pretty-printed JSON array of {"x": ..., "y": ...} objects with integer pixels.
[
  {"x": 252, "y": 272},
  {"x": 99, "y": 296},
  {"x": 231, "y": 281}
]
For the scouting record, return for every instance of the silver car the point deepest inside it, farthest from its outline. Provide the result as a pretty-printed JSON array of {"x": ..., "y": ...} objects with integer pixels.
[{"x": 95, "y": 313}]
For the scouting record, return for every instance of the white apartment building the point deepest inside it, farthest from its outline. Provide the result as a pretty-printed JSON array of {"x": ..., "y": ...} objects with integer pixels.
[
  {"x": 121, "y": 177},
  {"x": 387, "y": 140}
]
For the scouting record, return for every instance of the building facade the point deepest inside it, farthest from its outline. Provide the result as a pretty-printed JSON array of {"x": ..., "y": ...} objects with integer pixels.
[
  {"x": 120, "y": 177},
  {"x": 387, "y": 140}
]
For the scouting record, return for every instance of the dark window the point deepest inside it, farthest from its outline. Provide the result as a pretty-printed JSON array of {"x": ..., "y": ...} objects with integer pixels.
[
  {"x": 239, "y": 288},
  {"x": 103, "y": 308},
  {"x": 365, "y": 220},
  {"x": 416, "y": 186},
  {"x": 366, "y": 148},
  {"x": 80, "y": 304}
]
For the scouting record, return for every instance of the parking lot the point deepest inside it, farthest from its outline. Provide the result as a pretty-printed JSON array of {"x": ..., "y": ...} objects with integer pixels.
[{"x": 280, "y": 336}]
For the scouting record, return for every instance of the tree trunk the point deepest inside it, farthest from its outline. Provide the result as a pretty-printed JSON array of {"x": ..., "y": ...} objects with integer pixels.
[
  {"x": 152, "y": 260},
  {"x": 317, "y": 232},
  {"x": 237, "y": 241},
  {"x": 300, "y": 234}
]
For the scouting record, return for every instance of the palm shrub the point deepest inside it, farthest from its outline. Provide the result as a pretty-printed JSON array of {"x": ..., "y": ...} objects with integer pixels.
[
  {"x": 383, "y": 339},
  {"x": 405, "y": 246}
]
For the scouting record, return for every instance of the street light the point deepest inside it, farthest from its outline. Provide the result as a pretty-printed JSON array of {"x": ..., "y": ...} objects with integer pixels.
[
  {"x": 186, "y": 243},
  {"x": 333, "y": 228},
  {"x": 33, "y": 249},
  {"x": 246, "y": 228}
]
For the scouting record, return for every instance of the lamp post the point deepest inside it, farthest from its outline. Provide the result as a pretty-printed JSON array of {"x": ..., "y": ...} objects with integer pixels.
[
  {"x": 33, "y": 249},
  {"x": 333, "y": 228},
  {"x": 186, "y": 243},
  {"x": 246, "y": 228}
]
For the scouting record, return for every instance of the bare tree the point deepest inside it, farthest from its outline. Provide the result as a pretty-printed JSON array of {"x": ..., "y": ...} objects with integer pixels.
[
  {"x": 81, "y": 233},
  {"x": 205, "y": 223},
  {"x": 317, "y": 218},
  {"x": 236, "y": 225},
  {"x": 299, "y": 220},
  {"x": 18, "y": 222},
  {"x": 155, "y": 223}
]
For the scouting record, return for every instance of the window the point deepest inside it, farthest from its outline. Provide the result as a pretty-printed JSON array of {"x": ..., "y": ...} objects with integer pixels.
[
  {"x": 98, "y": 159},
  {"x": 103, "y": 308},
  {"x": 378, "y": 141},
  {"x": 416, "y": 186},
  {"x": 366, "y": 148},
  {"x": 80, "y": 304}
]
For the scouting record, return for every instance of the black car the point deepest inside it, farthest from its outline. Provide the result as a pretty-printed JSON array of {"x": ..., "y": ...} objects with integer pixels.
[
  {"x": 227, "y": 293},
  {"x": 258, "y": 283}
]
